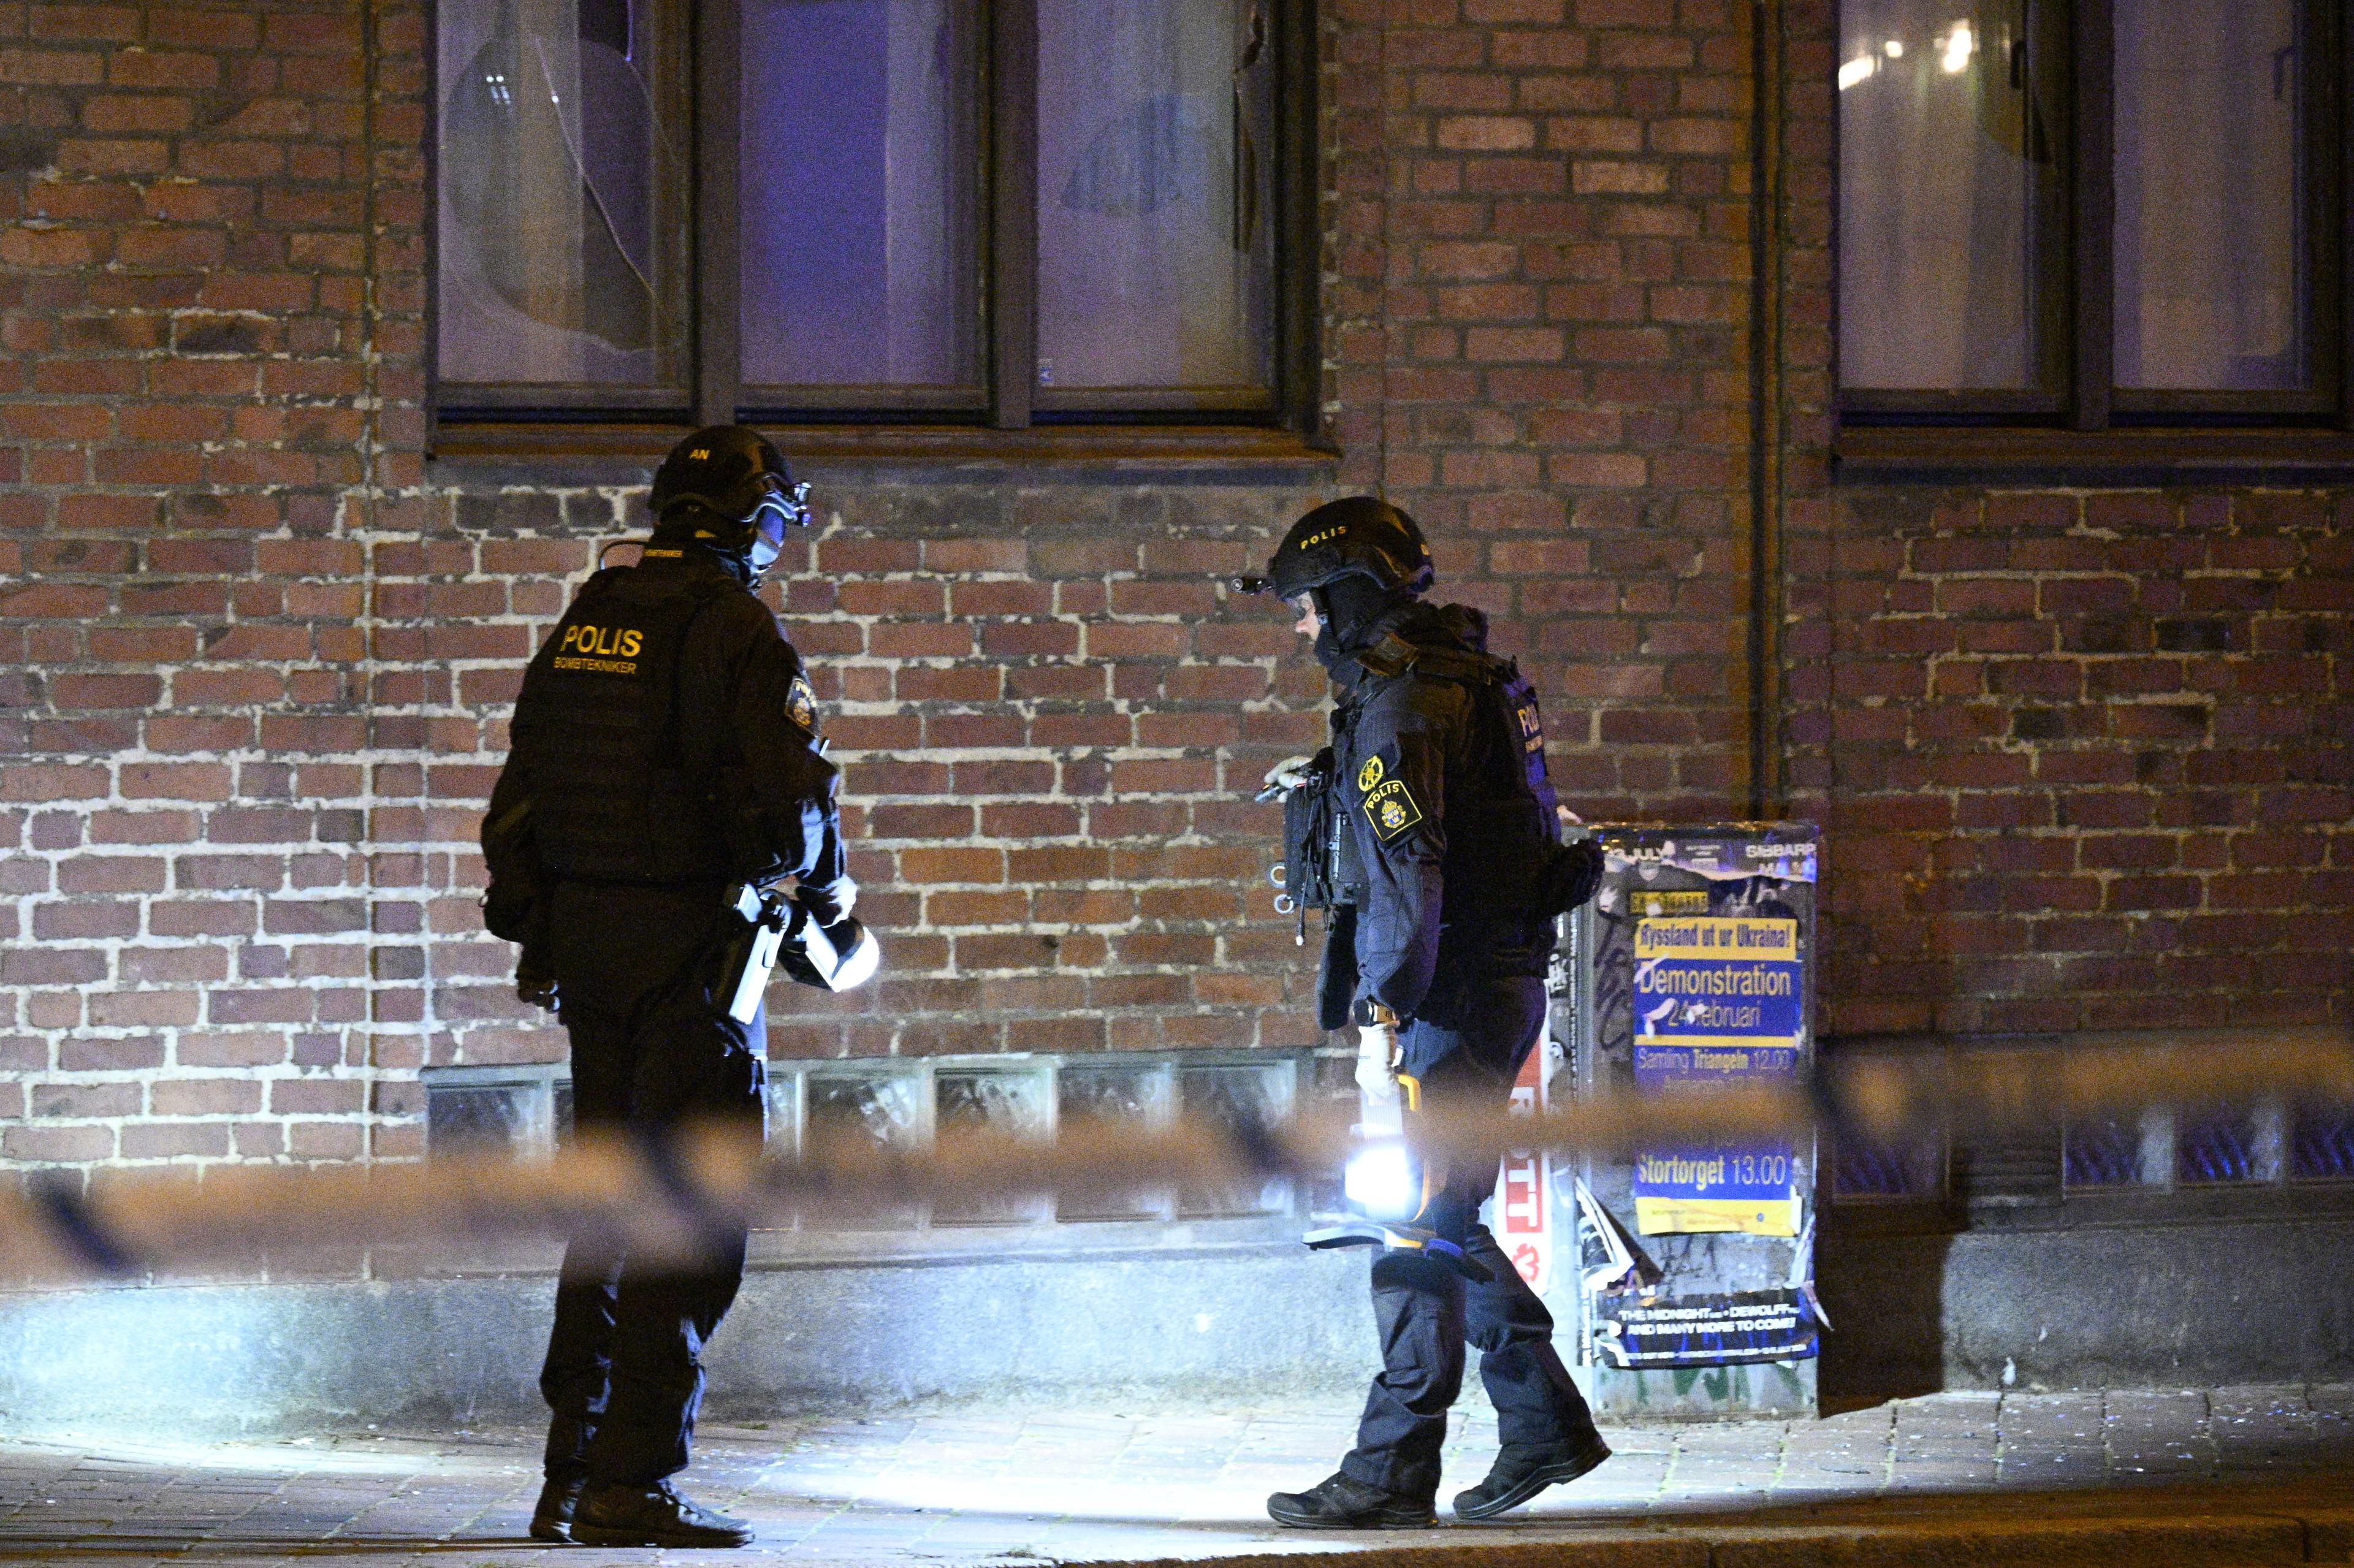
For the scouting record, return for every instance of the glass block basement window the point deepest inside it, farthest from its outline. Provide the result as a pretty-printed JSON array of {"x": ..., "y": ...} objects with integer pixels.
[
  {"x": 2256, "y": 1144},
  {"x": 2106, "y": 1152},
  {"x": 2219, "y": 1144},
  {"x": 904, "y": 1102},
  {"x": 1863, "y": 1170},
  {"x": 2321, "y": 1143},
  {"x": 506, "y": 1109}
]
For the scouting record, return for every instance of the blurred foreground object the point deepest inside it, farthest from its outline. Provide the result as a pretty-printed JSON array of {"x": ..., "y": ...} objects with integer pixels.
[{"x": 657, "y": 1201}]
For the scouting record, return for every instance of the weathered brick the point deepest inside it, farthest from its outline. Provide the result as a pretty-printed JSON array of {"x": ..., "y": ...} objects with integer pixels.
[{"x": 2033, "y": 721}]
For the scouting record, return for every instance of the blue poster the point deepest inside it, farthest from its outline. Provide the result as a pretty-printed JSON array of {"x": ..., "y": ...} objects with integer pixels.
[{"x": 1718, "y": 1001}]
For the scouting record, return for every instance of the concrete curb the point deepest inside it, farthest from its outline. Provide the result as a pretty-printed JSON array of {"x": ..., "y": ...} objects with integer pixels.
[{"x": 2189, "y": 1534}]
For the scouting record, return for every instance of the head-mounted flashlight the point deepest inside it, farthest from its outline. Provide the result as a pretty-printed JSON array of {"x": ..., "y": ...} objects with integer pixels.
[{"x": 789, "y": 508}]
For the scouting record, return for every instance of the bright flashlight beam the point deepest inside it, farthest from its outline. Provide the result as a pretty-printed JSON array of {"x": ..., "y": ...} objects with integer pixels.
[
  {"x": 1380, "y": 1180},
  {"x": 1857, "y": 71}
]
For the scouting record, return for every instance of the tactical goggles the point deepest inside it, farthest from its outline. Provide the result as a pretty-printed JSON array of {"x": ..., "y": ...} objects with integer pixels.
[{"x": 779, "y": 509}]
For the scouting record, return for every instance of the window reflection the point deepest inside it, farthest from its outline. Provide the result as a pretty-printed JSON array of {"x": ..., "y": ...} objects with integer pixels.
[
  {"x": 1947, "y": 177},
  {"x": 1154, "y": 244},
  {"x": 2210, "y": 231},
  {"x": 860, "y": 178},
  {"x": 561, "y": 228}
]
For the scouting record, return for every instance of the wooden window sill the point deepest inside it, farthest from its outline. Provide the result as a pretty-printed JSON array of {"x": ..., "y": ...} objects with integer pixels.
[
  {"x": 2118, "y": 459},
  {"x": 618, "y": 453}
]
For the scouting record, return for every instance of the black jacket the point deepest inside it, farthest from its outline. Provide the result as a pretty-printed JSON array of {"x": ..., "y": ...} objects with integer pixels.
[
  {"x": 1439, "y": 768},
  {"x": 665, "y": 735}
]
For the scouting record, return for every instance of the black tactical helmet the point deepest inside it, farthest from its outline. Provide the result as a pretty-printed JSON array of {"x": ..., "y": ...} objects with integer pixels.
[
  {"x": 732, "y": 473},
  {"x": 1355, "y": 536}
]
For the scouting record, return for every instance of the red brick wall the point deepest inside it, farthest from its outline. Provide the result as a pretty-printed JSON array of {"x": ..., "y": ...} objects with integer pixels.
[
  {"x": 1051, "y": 717},
  {"x": 208, "y": 386},
  {"x": 2082, "y": 756},
  {"x": 1540, "y": 347},
  {"x": 2085, "y": 757}
]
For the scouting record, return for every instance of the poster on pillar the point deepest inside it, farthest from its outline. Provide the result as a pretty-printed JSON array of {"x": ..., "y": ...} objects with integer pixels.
[
  {"x": 1694, "y": 1253},
  {"x": 1718, "y": 1002}
]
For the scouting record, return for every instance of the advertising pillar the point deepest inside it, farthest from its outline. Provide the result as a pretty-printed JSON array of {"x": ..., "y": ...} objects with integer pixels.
[{"x": 1687, "y": 1269}]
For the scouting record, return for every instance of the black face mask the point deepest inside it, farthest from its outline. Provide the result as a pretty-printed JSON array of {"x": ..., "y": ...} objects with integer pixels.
[{"x": 1350, "y": 607}]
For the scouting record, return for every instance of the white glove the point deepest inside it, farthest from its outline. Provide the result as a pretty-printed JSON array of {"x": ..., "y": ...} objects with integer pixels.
[
  {"x": 1376, "y": 1050},
  {"x": 1285, "y": 777}
]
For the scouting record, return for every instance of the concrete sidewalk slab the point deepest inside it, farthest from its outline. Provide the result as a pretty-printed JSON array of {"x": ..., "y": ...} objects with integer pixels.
[{"x": 2206, "y": 1480}]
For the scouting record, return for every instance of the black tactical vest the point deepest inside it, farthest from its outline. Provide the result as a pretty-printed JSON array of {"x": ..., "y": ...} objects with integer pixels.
[
  {"x": 612, "y": 799},
  {"x": 1502, "y": 830}
]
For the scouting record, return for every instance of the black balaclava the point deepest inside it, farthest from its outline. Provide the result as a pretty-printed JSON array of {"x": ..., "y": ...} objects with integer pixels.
[{"x": 1351, "y": 609}]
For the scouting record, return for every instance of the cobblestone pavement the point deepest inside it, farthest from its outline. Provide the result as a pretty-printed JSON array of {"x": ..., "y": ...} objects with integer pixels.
[{"x": 965, "y": 1487}]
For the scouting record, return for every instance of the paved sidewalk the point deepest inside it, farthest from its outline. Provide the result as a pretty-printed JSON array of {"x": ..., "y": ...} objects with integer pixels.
[{"x": 2275, "y": 1465}]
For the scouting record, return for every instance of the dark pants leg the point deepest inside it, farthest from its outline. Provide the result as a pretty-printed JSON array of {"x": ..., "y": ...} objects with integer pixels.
[
  {"x": 623, "y": 1376},
  {"x": 1425, "y": 1312},
  {"x": 1535, "y": 1401},
  {"x": 575, "y": 1378}
]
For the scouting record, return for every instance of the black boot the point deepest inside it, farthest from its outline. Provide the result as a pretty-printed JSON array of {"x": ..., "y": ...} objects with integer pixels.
[
  {"x": 1340, "y": 1503},
  {"x": 551, "y": 1518},
  {"x": 1523, "y": 1469},
  {"x": 652, "y": 1516}
]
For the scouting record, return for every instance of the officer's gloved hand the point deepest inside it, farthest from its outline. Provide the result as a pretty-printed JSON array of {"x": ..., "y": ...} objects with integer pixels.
[
  {"x": 536, "y": 981},
  {"x": 1376, "y": 1059},
  {"x": 1285, "y": 777},
  {"x": 830, "y": 903}
]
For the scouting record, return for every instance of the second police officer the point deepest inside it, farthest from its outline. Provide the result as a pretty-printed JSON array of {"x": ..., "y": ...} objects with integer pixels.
[
  {"x": 1449, "y": 873},
  {"x": 665, "y": 747}
]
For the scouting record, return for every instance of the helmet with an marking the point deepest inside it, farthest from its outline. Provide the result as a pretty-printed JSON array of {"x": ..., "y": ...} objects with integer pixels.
[
  {"x": 729, "y": 484},
  {"x": 1356, "y": 536}
]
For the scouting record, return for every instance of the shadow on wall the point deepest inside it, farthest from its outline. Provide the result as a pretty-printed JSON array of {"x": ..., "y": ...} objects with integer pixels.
[
  {"x": 2021, "y": 1303},
  {"x": 1886, "y": 1295}
]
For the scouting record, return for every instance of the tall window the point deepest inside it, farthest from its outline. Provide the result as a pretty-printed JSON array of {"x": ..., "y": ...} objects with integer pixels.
[
  {"x": 985, "y": 211},
  {"x": 2093, "y": 215}
]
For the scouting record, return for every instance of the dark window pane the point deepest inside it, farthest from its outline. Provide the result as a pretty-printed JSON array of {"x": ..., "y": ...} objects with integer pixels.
[
  {"x": 1946, "y": 180},
  {"x": 562, "y": 221},
  {"x": 1154, "y": 239},
  {"x": 859, "y": 176},
  {"x": 2323, "y": 1143},
  {"x": 2103, "y": 1153},
  {"x": 2210, "y": 233}
]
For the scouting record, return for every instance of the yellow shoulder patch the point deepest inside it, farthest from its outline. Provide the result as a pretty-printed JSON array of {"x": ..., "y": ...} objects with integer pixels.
[
  {"x": 1369, "y": 775},
  {"x": 1391, "y": 808}
]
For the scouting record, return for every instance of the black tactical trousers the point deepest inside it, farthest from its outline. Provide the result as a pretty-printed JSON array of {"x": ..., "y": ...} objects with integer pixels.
[
  {"x": 1425, "y": 1312},
  {"x": 624, "y": 1369}
]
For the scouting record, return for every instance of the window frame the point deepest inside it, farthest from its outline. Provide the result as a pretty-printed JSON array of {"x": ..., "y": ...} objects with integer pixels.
[
  {"x": 2083, "y": 424},
  {"x": 514, "y": 418}
]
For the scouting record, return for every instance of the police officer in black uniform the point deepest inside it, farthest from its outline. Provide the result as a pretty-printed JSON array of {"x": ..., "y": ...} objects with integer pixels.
[
  {"x": 1452, "y": 872},
  {"x": 665, "y": 747}
]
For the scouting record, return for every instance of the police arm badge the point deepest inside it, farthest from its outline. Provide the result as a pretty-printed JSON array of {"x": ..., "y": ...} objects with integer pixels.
[
  {"x": 800, "y": 704},
  {"x": 1390, "y": 806}
]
